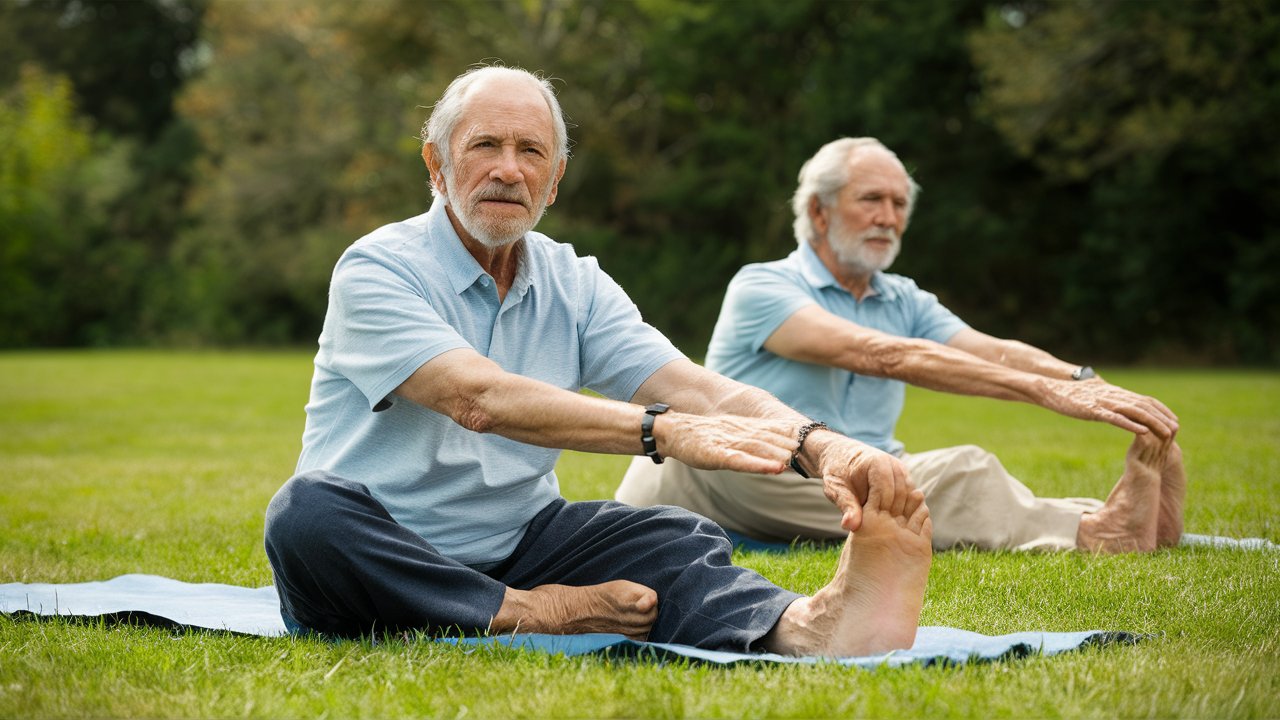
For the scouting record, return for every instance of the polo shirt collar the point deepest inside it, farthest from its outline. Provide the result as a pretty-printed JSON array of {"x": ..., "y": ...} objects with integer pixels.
[
  {"x": 817, "y": 275},
  {"x": 458, "y": 263}
]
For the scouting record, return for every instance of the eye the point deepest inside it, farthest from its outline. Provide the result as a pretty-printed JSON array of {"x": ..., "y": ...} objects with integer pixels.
[{"x": 535, "y": 151}]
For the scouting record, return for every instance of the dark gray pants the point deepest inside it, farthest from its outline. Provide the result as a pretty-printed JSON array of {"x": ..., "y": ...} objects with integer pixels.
[{"x": 344, "y": 567}]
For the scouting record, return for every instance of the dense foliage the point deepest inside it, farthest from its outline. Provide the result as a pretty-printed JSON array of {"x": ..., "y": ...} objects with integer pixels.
[{"x": 1099, "y": 176}]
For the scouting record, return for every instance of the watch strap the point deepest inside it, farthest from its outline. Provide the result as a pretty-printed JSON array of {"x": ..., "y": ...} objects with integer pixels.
[
  {"x": 801, "y": 436},
  {"x": 646, "y": 431}
]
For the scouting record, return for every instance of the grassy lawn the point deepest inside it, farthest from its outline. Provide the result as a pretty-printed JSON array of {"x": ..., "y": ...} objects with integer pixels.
[{"x": 162, "y": 463}]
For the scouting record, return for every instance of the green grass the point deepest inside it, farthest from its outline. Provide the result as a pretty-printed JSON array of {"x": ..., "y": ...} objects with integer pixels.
[{"x": 162, "y": 463}]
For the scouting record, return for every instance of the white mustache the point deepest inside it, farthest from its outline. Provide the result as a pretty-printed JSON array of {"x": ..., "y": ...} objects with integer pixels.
[
  {"x": 890, "y": 235},
  {"x": 499, "y": 192}
]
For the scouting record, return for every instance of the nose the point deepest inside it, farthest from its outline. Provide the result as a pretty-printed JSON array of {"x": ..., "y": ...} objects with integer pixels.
[
  {"x": 507, "y": 168},
  {"x": 887, "y": 214}
]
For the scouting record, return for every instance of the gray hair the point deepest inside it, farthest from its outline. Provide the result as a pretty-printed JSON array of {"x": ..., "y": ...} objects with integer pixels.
[
  {"x": 447, "y": 111},
  {"x": 825, "y": 174}
]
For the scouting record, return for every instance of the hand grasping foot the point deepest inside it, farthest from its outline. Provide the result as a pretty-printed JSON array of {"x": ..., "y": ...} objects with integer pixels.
[{"x": 873, "y": 603}]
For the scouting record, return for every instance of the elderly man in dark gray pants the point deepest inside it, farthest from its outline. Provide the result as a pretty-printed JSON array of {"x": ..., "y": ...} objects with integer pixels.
[{"x": 445, "y": 384}]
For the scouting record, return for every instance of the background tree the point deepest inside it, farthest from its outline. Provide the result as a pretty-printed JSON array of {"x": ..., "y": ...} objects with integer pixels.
[
  {"x": 1099, "y": 176},
  {"x": 1158, "y": 118},
  {"x": 99, "y": 226}
]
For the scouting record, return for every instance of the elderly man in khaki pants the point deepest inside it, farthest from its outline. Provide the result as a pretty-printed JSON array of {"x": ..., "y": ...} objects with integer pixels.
[{"x": 828, "y": 332}]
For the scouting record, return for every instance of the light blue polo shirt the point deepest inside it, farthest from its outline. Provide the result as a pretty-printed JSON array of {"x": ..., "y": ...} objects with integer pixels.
[
  {"x": 410, "y": 291},
  {"x": 761, "y": 296}
]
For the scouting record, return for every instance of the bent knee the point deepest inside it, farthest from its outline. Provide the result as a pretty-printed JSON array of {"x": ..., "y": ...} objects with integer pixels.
[
  {"x": 304, "y": 504},
  {"x": 973, "y": 458},
  {"x": 676, "y": 527}
]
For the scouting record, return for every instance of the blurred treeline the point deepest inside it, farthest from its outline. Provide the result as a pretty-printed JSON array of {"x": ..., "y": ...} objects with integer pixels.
[{"x": 1100, "y": 178}]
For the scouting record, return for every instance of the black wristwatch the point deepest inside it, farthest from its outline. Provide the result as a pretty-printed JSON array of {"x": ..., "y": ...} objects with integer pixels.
[
  {"x": 1084, "y": 372},
  {"x": 646, "y": 431}
]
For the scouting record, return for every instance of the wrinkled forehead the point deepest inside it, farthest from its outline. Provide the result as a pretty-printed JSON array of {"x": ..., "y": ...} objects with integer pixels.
[
  {"x": 878, "y": 167},
  {"x": 506, "y": 106}
]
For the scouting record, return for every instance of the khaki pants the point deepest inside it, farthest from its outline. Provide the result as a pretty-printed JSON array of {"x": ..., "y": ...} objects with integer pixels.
[{"x": 972, "y": 500}]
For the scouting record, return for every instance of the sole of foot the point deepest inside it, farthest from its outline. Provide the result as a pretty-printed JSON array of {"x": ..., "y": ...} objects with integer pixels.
[{"x": 873, "y": 603}]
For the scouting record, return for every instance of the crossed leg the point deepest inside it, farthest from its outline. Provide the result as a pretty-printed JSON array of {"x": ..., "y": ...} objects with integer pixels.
[
  {"x": 618, "y": 606},
  {"x": 873, "y": 602},
  {"x": 871, "y": 605}
]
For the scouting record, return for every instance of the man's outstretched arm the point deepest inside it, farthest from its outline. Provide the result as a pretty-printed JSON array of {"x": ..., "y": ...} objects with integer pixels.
[
  {"x": 1011, "y": 354},
  {"x": 848, "y": 468},
  {"x": 814, "y": 335},
  {"x": 479, "y": 395}
]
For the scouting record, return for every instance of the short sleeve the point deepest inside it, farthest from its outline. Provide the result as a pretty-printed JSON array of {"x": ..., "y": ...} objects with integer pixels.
[
  {"x": 931, "y": 319},
  {"x": 381, "y": 327},
  {"x": 756, "y": 304},
  {"x": 619, "y": 350}
]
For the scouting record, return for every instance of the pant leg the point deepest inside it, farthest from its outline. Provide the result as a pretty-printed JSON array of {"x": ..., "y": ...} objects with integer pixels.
[
  {"x": 774, "y": 508},
  {"x": 344, "y": 567},
  {"x": 974, "y": 501},
  {"x": 703, "y": 599}
]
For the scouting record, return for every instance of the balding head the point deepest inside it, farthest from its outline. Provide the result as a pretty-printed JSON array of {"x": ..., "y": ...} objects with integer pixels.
[
  {"x": 827, "y": 172},
  {"x": 439, "y": 129}
]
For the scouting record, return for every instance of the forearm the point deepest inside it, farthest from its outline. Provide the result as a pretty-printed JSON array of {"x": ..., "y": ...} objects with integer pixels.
[
  {"x": 938, "y": 367},
  {"x": 690, "y": 388},
  {"x": 1019, "y": 356},
  {"x": 537, "y": 413},
  {"x": 478, "y": 395}
]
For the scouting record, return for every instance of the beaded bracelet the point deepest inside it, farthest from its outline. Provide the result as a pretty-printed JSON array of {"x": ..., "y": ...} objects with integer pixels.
[{"x": 804, "y": 433}]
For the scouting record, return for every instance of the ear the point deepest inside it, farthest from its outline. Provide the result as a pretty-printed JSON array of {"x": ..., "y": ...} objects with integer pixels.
[
  {"x": 555, "y": 183},
  {"x": 432, "y": 160},
  {"x": 818, "y": 216}
]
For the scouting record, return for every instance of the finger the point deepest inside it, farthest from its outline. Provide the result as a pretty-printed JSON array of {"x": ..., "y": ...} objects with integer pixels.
[
  {"x": 1165, "y": 409},
  {"x": 880, "y": 491},
  {"x": 840, "y": 495},
  {"x": 1147, "y": 411},
  {"x": 893, "y": 493},
  {"x": 902, "y": 487},
  {"x": 852, "y": 519},
  {"x": 1122, "y": 422},
  {"x": 1156, "y": 407},
  {"x": 1153, "y": 406},
  {"x": 915, "y": 499},
  {"x": 1153, "y": 451},
  {"x": 1149, "y": 420}
]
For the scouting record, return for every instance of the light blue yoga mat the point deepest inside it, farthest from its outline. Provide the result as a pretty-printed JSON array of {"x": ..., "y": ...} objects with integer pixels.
[
  {"x": 166, "y": 602},
  {"x": 1188, "y": 540}
]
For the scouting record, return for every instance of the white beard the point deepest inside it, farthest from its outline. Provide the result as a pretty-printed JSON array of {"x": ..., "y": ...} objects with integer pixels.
[
  {"x": 495, "y": 232},
  {"x": 853, "y": 253}
]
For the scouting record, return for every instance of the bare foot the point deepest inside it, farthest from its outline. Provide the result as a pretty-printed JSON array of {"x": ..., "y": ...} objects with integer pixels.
[
  {"x": 1173, "y": 490},
  {"x": 1127, "y": 522},
  {"x": 872, "y": 605},
  {"x": 619, "y": 606}
]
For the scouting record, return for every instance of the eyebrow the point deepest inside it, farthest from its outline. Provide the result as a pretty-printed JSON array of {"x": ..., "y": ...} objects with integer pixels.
[{"x": 520, "y": 140}]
